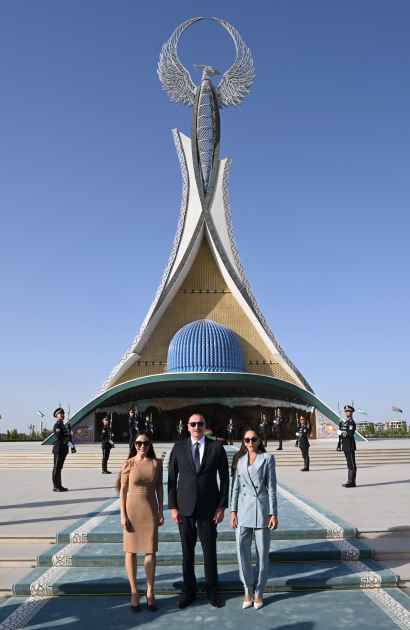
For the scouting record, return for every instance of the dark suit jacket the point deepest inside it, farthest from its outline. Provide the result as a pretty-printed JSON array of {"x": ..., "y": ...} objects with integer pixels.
[
  {"x": 62, "y": 438},
  {"x": 348, "y": 431},
  {"x": 187, "y": 489}
]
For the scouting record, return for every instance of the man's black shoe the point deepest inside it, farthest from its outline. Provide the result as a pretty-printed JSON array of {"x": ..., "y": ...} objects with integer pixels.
[
  {"x": 349, "y": 484},
  {"x": 215, "y": 601},
  {"x": 187, "y": 599},
  {"x": 57, "y": 490},
  {"x": 279, "y": 449},
  {"x": 106, "y": 472},
  {"x": 61, "y": 489}
]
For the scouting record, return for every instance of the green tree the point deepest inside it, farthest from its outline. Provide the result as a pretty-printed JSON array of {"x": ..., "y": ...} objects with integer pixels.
[{"x": 13, "y": 434}]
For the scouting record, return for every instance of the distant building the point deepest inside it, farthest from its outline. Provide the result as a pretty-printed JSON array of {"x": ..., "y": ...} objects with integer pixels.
[
  {"x": 379, "y": 426},
  {"x": 393, "y": 425},
  {"x": 362, "y": 425}
]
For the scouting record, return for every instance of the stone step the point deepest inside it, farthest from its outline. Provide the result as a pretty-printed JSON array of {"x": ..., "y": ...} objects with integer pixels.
[
  {"x": 286, "y": 576},
  {"x": 299, "y": 519},
  {"x": 169, "y": 554}
]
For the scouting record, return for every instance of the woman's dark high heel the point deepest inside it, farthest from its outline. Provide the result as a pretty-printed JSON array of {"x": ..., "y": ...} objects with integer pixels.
[
  {"x": 135, "y": 609},
  {"x": 152, "y": 607}
]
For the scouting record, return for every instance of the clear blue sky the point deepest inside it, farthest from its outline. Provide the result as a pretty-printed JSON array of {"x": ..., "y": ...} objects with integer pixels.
[{"x": 90, "y": 187}]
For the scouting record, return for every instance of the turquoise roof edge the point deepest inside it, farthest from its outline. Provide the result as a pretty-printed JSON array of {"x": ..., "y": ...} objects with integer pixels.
[{"x": 200, "y": 376}]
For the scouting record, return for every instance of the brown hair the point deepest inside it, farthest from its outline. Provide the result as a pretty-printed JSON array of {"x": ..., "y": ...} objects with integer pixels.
[
  {"x": 133, "y": 452},
  {"x": 243, "y": 450}
]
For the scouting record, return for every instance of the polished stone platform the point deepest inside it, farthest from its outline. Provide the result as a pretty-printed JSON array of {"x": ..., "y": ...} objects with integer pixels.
[{"x": 321, "y": 575}]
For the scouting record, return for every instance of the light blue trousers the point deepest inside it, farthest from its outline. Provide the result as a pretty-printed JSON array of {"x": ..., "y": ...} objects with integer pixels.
[{"x": 250, "y": 581}]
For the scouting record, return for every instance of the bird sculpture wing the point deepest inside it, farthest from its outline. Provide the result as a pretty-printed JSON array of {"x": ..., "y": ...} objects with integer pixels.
[
  {"x": 175, "y": 78},
  {"x": 236, "y": 81}
]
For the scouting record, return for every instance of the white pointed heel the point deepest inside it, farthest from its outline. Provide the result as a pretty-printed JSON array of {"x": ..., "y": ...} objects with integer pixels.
[
  {"x": 247, "y": 604},
  {"x": 257, "y": 606}
]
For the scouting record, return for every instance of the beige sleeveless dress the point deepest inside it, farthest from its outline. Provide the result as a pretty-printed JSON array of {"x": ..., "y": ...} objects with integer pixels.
[{"x": 143, "y": 479}]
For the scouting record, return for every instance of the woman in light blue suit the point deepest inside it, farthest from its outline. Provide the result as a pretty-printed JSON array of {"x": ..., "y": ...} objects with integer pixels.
[{"x": 253, "y": 512}]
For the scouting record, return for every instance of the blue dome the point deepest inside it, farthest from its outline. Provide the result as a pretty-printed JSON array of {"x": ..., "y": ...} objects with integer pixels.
[{"x": 205, "y": 346}]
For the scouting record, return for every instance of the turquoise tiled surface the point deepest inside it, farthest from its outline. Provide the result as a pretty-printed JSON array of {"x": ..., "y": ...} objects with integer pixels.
[{"x": 170, "y": 553}]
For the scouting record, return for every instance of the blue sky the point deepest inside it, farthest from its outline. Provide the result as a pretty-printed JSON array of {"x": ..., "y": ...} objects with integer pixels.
[{"x": 90, "y": 188}]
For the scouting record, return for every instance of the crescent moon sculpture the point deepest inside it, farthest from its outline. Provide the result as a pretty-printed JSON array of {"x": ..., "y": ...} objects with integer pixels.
[{"x": 205, "y": 98}]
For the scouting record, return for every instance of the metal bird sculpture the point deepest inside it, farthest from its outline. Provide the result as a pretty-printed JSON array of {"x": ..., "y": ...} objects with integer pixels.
[{"x": 205, "y": 98}]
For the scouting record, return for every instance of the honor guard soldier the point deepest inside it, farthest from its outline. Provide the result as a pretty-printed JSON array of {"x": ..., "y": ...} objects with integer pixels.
[
  {"x": 277, "y": 425},
  {"x": 303, "y": 435},
  {"x": 181, "y": 431},
  {"x": 349, "y": 446},
  {"x": 106, "y": 445},
  {"x": 149, "y": 428},
  {"x": 264, "y": 430},
  {"x": 230, "y": 429},
  {"x": 132, "y": 427},
  {"x": 60, "y": 448}
]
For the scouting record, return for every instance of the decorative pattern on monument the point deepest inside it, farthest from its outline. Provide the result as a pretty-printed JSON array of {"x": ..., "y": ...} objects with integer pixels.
[
  {"x": 368, "y": 578},
  {"x": 180, "y": 227},
  {"x": 43, "y": 585},
  {"x": 84, "y": 430},
  {"x": 63, "y": 557},
  {"x": 392, "y": 608},
  {"x": 333, "y": 529},
  {"x": 79, "y": 535},
  {"x": 245, "y": 280},
  {"x": 219, "y": 307},
  {"x": 24, "y": 613},
  {"x": 140, "y": 369},
  {"x": 325, "y": 427}
]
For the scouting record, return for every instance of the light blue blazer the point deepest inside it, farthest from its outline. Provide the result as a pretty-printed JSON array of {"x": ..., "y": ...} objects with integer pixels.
[{"x": 253, "y": 496}]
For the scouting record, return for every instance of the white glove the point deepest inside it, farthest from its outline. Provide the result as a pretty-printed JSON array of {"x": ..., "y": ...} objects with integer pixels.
[
  {"x": 72, "y": 432},
  {"x": 298, "y": 433},
  {"x": 111, "y": 442},
  {"x": 112, "y": 434},
  {"x": 339, "y": 432},
  {"x": 71, "y": 445}
]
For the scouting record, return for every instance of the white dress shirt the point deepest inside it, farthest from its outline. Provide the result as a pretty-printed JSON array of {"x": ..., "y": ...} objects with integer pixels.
[{"x": 201, "y": 448}]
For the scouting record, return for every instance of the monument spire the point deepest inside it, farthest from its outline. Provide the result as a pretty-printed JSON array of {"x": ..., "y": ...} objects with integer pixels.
[{"x": 205, "y": 225}]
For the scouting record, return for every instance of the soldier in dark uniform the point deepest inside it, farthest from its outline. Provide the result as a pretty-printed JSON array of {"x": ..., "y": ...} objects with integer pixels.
[
  {"x": 106, "y": 445},
  {"x": 60, "y": 448},
  {"x": 149, "y": 428},
  {"x": 277, "y": 425},
  {"x": 132, "y": 427},
  {"x": 181, "y": 431},
  {"x": 264, "y": 430},
  {"x": 303, "y": 435},
  {"x": 230, "y": 429},
  {"x": 349, "y": 446}
]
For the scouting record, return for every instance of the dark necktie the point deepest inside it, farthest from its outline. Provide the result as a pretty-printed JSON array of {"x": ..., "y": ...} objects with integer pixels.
[{"x": 197, "y": 461}]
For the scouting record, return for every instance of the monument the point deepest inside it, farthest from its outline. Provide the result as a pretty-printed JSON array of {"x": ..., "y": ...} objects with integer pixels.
[{"x": 204, "y": 344}]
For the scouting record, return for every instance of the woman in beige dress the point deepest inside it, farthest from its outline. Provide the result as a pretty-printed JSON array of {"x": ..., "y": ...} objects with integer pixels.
[{"x": 141, "y": 503}]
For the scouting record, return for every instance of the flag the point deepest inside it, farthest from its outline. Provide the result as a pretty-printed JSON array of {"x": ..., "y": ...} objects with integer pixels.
[
  {"x": 397, "y": 409},
  {"x": 361, "y": 411},
  {"x": 40, "y": 414}
]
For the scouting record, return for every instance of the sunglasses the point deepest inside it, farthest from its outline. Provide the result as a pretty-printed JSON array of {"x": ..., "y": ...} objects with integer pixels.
[
  {"x": 143, "y": 443},
  {"x": 194, "y": 424},
  {"x": 253, "y": 440}
]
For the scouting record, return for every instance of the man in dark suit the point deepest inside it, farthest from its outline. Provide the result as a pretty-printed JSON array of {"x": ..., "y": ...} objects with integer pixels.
[
  {"x": 132, "y": 427},
  {"x": 106, "y": 445},
  {"x": 230, "y": 429},
  {"x": 181, "y": 431},
  {"x": 197, "y": 503},
  {"x": 349, "y": 446},
  {"x": 60, "y": 448},
  {"x": 277, "y": 423}
]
